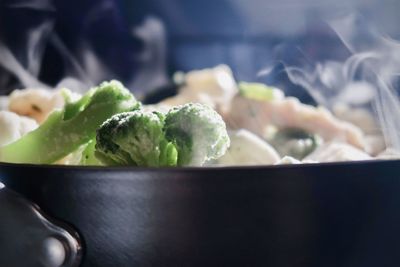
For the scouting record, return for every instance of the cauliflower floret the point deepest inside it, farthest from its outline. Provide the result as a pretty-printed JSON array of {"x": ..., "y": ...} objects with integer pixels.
[
  {"x": 248, "y": 149},
  {"x": 332, "y": 151},
  {"x": 36, "y": 103},
  {"x": 13, "y": 127},
  {"x": 214, "y": 87}
]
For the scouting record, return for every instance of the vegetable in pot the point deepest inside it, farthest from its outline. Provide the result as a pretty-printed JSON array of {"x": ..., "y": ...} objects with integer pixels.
[
  {"x": 187, "y": 135},
  {"x": 248, "y": 149},
  {"x": 66, "y": 130},
  {"x": 135, "y": 138},
  {"x": 88, "y": 157},
  {"x": 199, "y": 133},
  {"x": 295, "y": 142},
  {"x": 259, "y": 91}
]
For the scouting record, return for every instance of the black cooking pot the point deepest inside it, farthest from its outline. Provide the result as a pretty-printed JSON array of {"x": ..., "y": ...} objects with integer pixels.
[{"x": 340, "y": 214}]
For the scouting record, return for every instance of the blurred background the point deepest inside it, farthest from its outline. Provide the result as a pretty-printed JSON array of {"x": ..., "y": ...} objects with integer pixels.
[{"x": 143, "y": 42}]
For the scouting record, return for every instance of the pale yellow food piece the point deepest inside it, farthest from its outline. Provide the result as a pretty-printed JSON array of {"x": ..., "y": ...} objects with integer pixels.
[{"x": 35, "y": 103}]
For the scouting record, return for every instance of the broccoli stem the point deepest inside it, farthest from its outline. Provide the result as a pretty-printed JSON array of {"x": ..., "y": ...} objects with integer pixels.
[
  {"x": 64, "y": 131},
  {"x": 88, "y": 156},
  {"x": 169, "y": 154}
]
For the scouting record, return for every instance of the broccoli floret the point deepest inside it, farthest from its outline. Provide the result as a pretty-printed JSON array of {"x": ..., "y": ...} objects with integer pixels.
[
  {"x": 187, "y": 135},
  {"x": 66, "y": 130},
  {"x": 135, "y": 138},
  {"x": 199, "y": 133}
]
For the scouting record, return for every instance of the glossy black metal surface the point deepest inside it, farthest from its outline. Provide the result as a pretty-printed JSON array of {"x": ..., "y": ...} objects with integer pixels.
[
  {"x": 29, "y": 238},
  {"x": 343, "y": 214}
]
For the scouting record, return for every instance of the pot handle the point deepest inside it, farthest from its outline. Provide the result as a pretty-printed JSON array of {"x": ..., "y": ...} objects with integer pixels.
[{"x": 30, "y": 238}]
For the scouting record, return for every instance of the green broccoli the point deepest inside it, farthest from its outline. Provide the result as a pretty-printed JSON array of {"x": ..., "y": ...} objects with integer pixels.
[
  {"x": 66, "y": 130},
  {"x": 135, "y": 138},
  {"x": 88, "y": 157},
  {"x": 198, "y": 132},
  {"x": 187, "y": 135}
]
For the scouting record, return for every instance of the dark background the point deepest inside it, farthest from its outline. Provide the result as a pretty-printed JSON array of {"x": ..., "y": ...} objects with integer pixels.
[{"x": 248, "y": 35}]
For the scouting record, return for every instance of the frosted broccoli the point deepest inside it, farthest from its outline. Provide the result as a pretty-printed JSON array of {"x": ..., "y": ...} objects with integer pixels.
[
  {"x": 66, "y": 130},
  {"x": 135, "y": 138},
  {"x": 198, "y": 132},
  {"x": 187, "y": 135}
]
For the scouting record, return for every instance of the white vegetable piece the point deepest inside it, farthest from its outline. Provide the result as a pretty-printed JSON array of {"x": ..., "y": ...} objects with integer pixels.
[
  {"x": 214, "y": 87},
  {"x": 35, "y": 103},
  {"x": 288, "y": 160},
  {"x": 331, "y": 152},
  {"x": 13, "y": 127},
  {"x": 256, "y": 115},
  {"x": 374, "y": 144},
  {"x": 248, "y": 149},
  {"x": 389, "y": 153}
]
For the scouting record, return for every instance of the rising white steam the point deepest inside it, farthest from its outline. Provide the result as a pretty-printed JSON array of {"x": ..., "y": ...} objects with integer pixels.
[
  {"x": 331, "y": 82},
  {"x": 25, "y": 66},
  {"x": 11, "y": 64},
  {"x": 84, "y": 68},
  {"x": 76, "y": 77},
  {"x": 367, "y": 77},
  {"x": 382, "y": 69},
  {"x": 152, "y": 73}
]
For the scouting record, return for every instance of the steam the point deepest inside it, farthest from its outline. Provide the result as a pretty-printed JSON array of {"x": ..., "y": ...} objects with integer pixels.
[
  {"x": 10, "y": 63},
  {"x": 366, "y": 79},
  {"x": 153, "y": 72},
  {"x": 334, "y": 81},
  {"x": 26, "y": 68},
  {"x": 381, "y": 69},
  {"x": 25, "y": 65},
  {"x": 85, "y": 68},
  {"x": 387, "y": 108},
  {"x": 76, "y": 76}
]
